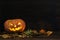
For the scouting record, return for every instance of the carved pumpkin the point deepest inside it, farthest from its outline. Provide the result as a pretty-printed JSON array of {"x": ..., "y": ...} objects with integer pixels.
[{"x": 14, "y": 25}]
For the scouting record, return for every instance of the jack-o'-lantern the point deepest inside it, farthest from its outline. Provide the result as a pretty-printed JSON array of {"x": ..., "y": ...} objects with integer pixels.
[{"x": 14, "y": 25}]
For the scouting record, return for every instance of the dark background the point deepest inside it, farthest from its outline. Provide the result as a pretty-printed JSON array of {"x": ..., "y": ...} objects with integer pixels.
[{"x": 36, "y": 13}]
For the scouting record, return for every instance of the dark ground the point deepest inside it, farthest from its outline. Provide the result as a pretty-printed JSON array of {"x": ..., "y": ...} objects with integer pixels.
[
  {"x": 55, "y": 36},
  {"x": 31, "y": 39}
]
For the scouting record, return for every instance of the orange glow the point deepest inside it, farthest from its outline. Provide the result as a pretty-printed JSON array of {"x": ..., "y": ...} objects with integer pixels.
[
  {"x": 15, "y": 29},
  {"x": 15, "y": 25}
]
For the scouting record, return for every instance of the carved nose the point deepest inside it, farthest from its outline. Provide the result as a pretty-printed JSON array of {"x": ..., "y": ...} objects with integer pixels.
[{"x": 14, "y": 25}]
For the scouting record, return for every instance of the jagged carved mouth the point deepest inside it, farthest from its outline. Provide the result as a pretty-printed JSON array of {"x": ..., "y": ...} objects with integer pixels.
[{"x": 15, "y": 29}]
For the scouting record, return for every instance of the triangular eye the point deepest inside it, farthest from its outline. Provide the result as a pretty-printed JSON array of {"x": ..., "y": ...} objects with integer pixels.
[
  {"x": 19, "y": 23},
  {"x": 10, "y": 24}
]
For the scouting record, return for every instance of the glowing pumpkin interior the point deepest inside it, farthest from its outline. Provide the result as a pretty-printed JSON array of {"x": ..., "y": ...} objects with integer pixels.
[{"x": 14, "y": 25}]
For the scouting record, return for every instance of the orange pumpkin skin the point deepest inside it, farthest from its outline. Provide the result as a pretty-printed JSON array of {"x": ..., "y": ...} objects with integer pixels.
[{"x": 14, "y": 25}]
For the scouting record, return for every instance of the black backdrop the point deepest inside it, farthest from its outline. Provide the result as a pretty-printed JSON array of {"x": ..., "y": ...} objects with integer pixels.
[{"x": 37, "y": 13}]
